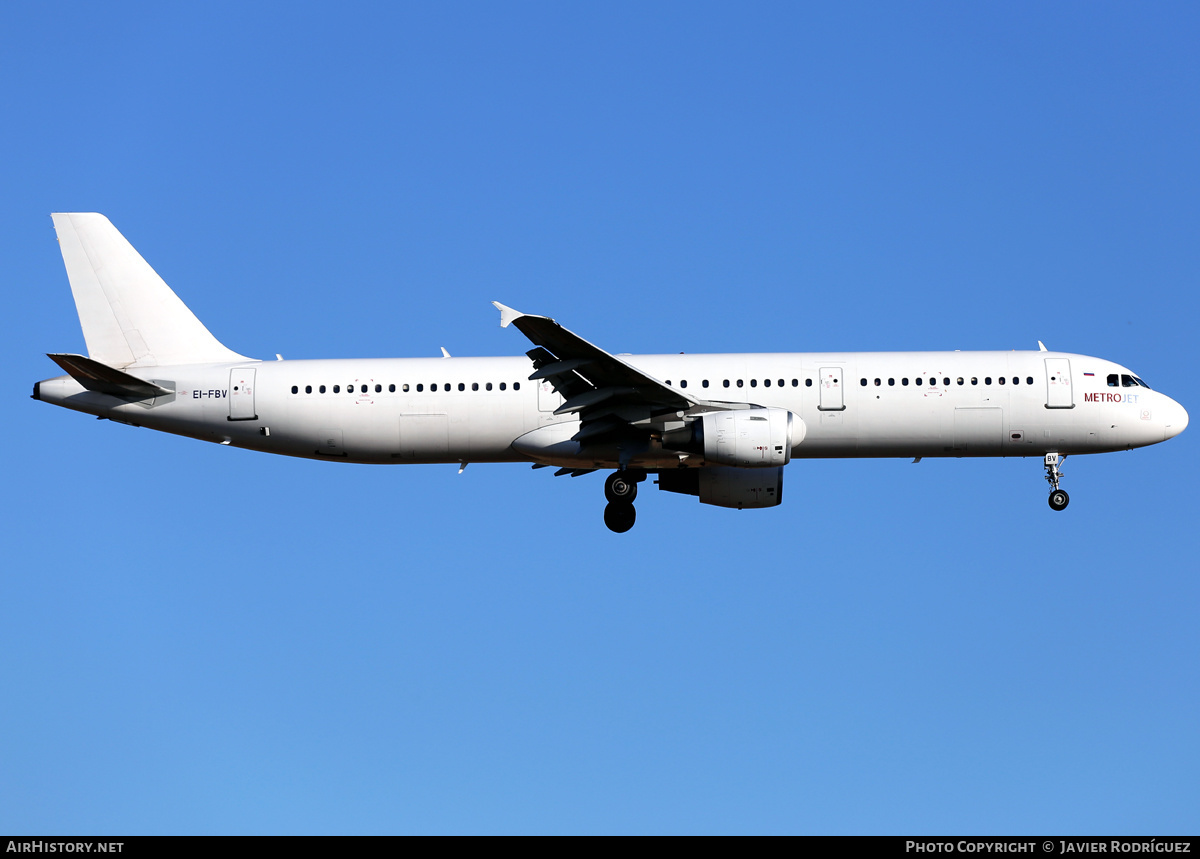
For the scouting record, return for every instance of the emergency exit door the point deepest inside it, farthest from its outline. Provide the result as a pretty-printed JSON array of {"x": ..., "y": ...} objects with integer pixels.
[
  {"x": 548, "y": 398},
  {"x": 832, "y": 382}
]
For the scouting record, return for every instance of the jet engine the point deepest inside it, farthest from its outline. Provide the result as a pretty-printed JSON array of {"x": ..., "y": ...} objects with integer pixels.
[
  {"x": 742, "y": 438},
  {"x": 725, "y": 486}
]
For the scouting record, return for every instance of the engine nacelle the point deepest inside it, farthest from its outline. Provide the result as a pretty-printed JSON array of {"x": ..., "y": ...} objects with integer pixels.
[
  {"x": 726, "y": 486},
  {"x": 748, "y": 438}
]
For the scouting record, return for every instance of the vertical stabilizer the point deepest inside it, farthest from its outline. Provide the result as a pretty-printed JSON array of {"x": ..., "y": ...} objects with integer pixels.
[{"x": 130, "y": 317}]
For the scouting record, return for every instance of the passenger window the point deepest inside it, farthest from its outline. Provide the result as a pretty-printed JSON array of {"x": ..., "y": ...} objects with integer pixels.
[
  {"x": 974, "y": 380},
  {"x": 308, "y": 389},
  {"x": 1029, "y": 380},
  {"x": 725, "y": 383},
  {"x": 1112, "y": 380},
  {"x": 502, "y": 386},
  {"x": 960, "y": 380},
  {"x": 420, "y": 388},
  {"x": 337, "y": 389},
  {"x": 1016, "y": 380},
  {"x": 754, "y": 383},
  {"x": 795, "y": 383},
  {"x": 739, "y": 383},
  {"x": 781, "y": 383},
  {"x": 378, "y": 389},
  {"x": 488, "y": 386},
  {"x": 877, "y": 383},
  {"x": 904, "y": 381},
  {"x": 766, "y": 383},
  {"x": 462, "y": 386},
  {"x": 862, "y": 382},
  {"x": 683, "y": 383},
  {"x": 516, "y": 386},
  {"x": 474, "y": 386},
  {"x": 917, "y": 381},
  {"x": 987, "y": 380},
  {"x": 808, "y": 383},
  {"x": 891, "y": 383},
  {"x": 1000, "y": 380},
  {"x": 322, "y": 389},
  {"x": 403, "y": 387},
  {"x": 666, "y": 381},
  {"x": 946, "y": 381},
  {"x": 704, "y": 384},
  {"x": 295, "y": 389}
]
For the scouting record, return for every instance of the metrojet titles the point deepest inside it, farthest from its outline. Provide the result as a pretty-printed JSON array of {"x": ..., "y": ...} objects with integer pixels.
[{"x": 1106, "y": 397}]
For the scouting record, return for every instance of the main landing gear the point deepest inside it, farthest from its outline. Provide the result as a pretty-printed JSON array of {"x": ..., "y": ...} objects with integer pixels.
[
  {"x": 620, "y": 489},
  {"x": 1058, "y": 497}
]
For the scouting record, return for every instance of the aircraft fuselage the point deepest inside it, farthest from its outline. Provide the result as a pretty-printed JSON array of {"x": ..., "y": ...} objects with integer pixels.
[{"x": 857, "y": 404}]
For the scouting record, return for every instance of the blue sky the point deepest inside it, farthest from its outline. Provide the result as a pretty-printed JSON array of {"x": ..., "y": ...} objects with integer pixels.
[{"x": 205, "y": 640}]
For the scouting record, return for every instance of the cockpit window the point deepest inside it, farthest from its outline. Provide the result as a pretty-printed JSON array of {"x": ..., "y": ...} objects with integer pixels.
[
  {"x": 1112, "y": 380},
  {"x": 1127, "y": 381},
  {"x": 1138, "y": 379}
]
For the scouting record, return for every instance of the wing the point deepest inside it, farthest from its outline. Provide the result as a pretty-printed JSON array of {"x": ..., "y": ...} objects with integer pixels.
[{"x": 612, "y": 398}]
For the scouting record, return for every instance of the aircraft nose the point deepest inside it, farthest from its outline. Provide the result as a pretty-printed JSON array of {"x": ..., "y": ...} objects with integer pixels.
[{"x": 1175, "y": 419}]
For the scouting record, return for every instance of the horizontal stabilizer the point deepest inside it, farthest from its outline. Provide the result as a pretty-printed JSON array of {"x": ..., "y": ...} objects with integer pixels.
[{"x": 105, "y": 380}]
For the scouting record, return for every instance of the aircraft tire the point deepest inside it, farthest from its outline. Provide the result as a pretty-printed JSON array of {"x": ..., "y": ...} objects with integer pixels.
[
  {"x": 618, "y": 487},
  {"x": 1059, "y": 500},
  {"x": 619, "y": 516}
]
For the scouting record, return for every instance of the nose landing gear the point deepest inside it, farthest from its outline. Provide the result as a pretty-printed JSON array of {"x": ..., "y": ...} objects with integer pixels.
[
  {"x": 1058, "y": 497},
  {"x": 620, "y": 489}
]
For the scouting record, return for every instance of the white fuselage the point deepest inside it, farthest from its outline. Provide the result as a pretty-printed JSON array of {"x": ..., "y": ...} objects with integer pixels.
[{"x": 856, "y": 404}]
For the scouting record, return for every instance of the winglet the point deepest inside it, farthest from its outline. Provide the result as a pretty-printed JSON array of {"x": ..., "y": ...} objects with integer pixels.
[
  {"x": 1042, "y": 347},
  {"x": 507, "y": 314}
]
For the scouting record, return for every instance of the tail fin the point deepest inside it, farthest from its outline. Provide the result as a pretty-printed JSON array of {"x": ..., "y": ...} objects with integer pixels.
[{"x": 130, "y": 317}]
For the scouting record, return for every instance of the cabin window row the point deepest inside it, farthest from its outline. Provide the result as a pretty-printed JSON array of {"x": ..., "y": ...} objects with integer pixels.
[
  {"x": 946, "y": 382},
  {"x": 918, "y": 381},
  {"x": 405, "y": 388},
  {"x": 741, "y": 383}
]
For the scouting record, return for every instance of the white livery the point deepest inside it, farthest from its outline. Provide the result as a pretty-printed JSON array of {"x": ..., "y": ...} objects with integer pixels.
[{"x": 721, "y": 427}]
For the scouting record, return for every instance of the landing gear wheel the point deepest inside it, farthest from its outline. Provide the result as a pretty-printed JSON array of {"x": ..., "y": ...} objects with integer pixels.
[
  {"x": 620, "y": 487},
  {"x": 1058, "y": 498},
  {"x": 619, "y": 516}
]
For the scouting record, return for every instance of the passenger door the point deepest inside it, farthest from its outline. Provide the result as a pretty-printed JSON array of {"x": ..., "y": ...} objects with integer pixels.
[
  {"x": 1058, "y": 384},
  {"x": 241, "y": 394}
]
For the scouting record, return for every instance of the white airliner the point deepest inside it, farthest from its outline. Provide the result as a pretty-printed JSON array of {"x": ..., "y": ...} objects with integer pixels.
[{"x": 721, "y": 427}]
